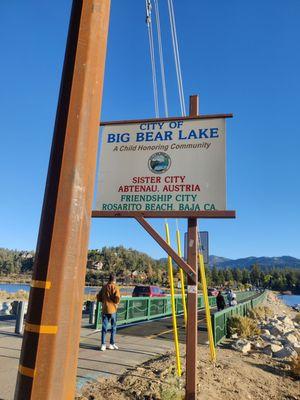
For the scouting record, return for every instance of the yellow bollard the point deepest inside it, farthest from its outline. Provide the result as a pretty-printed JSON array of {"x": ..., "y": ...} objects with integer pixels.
[
  {"x": 170, "y": 266},
  {"x": 207, "y": 309},
  {"x": 181, "y": 277}
]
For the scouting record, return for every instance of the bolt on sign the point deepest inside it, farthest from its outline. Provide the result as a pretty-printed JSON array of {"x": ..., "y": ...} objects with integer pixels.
[{"x": 174, "y": 165}]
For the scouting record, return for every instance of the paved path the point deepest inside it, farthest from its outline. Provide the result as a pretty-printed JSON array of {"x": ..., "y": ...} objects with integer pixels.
[
  {"x": 133, "y": 350},
  {"x": 137, "y": 344}
]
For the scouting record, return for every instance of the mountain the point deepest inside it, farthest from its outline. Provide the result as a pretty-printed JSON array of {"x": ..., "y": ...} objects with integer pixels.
[{"x": 264, "y": 262}]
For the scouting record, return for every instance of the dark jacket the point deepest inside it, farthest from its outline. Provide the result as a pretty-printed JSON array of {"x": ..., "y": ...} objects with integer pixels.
[{"x": 220, "y": 302}]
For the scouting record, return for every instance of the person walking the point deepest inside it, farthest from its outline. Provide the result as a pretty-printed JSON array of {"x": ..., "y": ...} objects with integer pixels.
[
  {"x": 220, "y": 301},
  {"x": 109, "y": 295},
  {"x": 229, "y": 297},
  {"x": 233, "y": 301}
]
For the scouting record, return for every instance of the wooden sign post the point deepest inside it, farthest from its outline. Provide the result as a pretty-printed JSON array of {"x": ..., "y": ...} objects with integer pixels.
[{"x": 190, "y": 267}]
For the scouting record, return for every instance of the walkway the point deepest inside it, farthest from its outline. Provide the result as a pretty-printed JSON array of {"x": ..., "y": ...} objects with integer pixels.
[{"x": 137, "y": 344}]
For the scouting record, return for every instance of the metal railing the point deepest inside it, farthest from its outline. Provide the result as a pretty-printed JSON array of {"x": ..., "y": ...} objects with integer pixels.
[
  {"x": 220, "y": 318},
  {"x": 138, "y": 309}
]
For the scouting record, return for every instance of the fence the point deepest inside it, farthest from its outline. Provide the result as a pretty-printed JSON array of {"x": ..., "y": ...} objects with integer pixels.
[
  {"x": 219, "y": 319},
  {"x": 137, "y": 309}
]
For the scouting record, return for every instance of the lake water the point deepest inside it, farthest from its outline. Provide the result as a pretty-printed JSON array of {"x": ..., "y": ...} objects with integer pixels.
[
  {"x": 15, "y": 287},
  {"x": 290, "y": 299}
]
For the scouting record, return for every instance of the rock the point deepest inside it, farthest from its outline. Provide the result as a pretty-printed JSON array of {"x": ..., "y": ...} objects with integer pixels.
[
  {"x": 258, "y": 345},
  {"x": 291, "y": 339},
  {"x": 234, "y": 336},
  {"x": 286, "y": 352},
  {"x": 242, "y": 345},
  {"x": 266, "y": 332},
  {"x": 272, "y": 348},
  {"x": 276, "y": 347},
  {"x": 268, "y": 338},
  {"x": 296, "y": 347},
  {"x": 267, "y": 350},
  {"x": 286, "y": 320},
  {"x": 277, "y": 342},
  {"x": 277, "y": 329}
]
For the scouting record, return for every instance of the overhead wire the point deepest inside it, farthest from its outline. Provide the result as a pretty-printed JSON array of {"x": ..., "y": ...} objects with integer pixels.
[
  {"x": 161, "y": 57},
  {"x": 152, "y": 55},
  {"x": 176, "y": 56}
]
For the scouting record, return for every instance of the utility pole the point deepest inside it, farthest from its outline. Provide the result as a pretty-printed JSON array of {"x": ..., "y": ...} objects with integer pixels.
[{"x": 48, "y": 362}]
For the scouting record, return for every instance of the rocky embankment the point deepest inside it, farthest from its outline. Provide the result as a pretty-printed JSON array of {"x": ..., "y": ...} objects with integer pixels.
[{"x": 277, "y": 334}]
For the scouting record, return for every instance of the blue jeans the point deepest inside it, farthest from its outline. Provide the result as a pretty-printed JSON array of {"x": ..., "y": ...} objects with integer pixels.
[{"x": 113, "y": 321}]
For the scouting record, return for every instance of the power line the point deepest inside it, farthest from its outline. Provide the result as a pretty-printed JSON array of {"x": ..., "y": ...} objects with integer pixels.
[
  {"x": 161, "y": 57},
  {"x": 176, "y": 56},
  {"x": 152, "y": 55}
]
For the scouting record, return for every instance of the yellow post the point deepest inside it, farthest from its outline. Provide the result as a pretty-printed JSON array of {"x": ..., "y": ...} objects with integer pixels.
[
  {"x": 207, "y": 309},
  {"x": 170, "y": 266},
  {"x": 181, "y": 277}
]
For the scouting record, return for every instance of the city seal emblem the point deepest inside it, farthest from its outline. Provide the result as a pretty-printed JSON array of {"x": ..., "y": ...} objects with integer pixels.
[{"x": 159, "y": 163}]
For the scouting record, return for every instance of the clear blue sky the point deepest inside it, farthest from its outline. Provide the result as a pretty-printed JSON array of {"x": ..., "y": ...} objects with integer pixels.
[{"x": 241, "y": 57}]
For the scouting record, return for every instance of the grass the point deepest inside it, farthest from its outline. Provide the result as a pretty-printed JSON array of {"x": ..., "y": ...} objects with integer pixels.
[
  {"x": 295, "y": 367},
  {"x": 244, "y": 327},
  {"x": 260, "y": 313},
  {"x": 172, "y": 389}
]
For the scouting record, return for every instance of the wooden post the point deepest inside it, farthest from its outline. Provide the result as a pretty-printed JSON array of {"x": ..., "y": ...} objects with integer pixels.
[
  {"x": 48, "y": 362},
  {"x": 192, "y": 296}
]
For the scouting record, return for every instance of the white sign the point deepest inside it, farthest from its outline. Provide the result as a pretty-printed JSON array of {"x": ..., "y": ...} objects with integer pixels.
[
  {"x": 163, "y": 166},
  {"x": 203, "y": 240}
]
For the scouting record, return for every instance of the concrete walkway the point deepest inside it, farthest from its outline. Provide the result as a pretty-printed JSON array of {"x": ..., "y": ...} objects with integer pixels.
[{"x": 92, "y": 363}]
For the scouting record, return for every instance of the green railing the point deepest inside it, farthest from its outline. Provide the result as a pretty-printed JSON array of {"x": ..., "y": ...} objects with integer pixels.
[
  {"x": 136, "y": 309},
  {"x": 219, "y": 319}
]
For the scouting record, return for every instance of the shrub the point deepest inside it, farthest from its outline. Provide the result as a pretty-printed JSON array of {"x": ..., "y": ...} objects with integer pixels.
[
  {"x": 295, "y": 366},
  {"x": 243, "y": 326},
  {"x": 172, "y": 389},
  {"x": 261, "y": 312}
]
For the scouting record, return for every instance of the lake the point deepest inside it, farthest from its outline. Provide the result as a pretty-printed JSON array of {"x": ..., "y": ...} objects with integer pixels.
[
  {"x": 290, "y": 299},
  {"x": 15, "y": 287}
]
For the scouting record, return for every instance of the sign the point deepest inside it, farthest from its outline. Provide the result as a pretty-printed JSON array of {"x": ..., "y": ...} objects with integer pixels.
[
  {"x": 162, "y": 166},
  {"x": 203, "y": 240}
]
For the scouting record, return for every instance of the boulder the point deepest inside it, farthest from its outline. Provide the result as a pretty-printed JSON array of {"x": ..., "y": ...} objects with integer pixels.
[
  {"x": 290, "y": 338},
  {"x": 267, "y": 350},
  {"x": 286, "y": 320},
  {"x": 286, "y": 352},
  {"x": 272, "y": 348},
  {"x": 268, "y": 338},
  {"x": 296, "y": 347},
  {"x": 266, "y": 332},
  {"x": 258, "y": 345},
  {"x": 242, "y": 345},
  {"x": 278, "y": 329}
]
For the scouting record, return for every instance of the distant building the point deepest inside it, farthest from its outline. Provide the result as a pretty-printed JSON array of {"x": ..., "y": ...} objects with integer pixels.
[{"x": 95, "y": 265}]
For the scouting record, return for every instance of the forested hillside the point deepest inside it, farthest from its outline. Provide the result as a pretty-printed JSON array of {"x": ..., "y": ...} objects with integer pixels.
[{"x": 132, "y": 266}]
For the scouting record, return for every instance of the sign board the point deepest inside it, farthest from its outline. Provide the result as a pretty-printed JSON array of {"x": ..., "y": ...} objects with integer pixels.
[
  {"x": 162, "y": 166},
  {"x": 203, "y": 239}
]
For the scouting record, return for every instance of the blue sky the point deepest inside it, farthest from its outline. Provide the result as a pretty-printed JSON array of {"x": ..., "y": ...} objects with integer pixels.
[{"x": 241, "y": 57}]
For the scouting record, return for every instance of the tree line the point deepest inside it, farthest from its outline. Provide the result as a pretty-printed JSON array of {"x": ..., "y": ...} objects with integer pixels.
[{"x": 132, "y": 266}]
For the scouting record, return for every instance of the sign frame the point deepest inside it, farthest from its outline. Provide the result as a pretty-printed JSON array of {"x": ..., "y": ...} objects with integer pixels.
[{"x": 165, "y": 214}]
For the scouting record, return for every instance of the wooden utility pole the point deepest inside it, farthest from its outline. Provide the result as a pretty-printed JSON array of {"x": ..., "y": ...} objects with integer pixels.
[
  {"x": 48, "y": 362},
  {"x": 192, "y": 295}
]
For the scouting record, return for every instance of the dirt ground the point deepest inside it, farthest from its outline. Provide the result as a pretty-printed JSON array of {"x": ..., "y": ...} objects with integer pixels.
[{"x": 235, "y": 376}]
